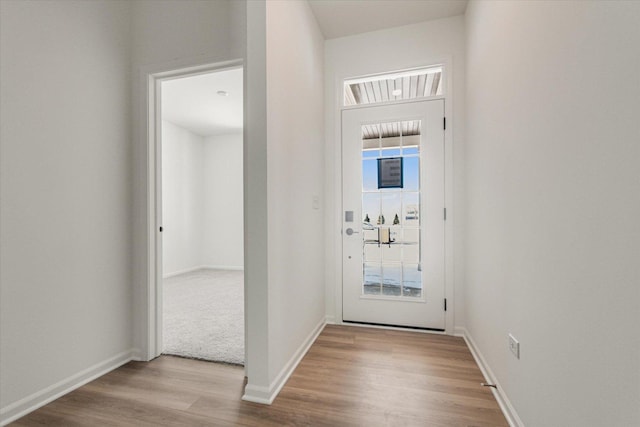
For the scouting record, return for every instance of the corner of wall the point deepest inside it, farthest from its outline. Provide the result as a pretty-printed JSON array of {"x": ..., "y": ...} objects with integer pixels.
[{"x": 266, "y": 395}]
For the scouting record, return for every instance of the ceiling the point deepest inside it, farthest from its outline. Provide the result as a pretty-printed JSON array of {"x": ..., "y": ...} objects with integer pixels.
[
  {"x": 194, "y": 104},
  {"x": 339, "y": 18}
]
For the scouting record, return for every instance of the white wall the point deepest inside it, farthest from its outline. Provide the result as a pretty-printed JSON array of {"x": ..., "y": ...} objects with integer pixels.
[
  {"x": 65, "y": 264},
  {"x": 75, "y": 193},
  {"x": 202, "y": 204},
  {"x": 183, "y": 199},
  {"x": 177, "y": 29},
  {"x": 553, "y": 156},
  {"x": 295, "y": 154},
  {"x": 381, "y": 51},
  {"x": 223, "y": 228}
]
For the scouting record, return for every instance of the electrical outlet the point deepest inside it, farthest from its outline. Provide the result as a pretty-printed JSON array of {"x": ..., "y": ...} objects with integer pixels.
[
  {"x": 315, "y": 201},
  {"x": 514, "y": 346}
]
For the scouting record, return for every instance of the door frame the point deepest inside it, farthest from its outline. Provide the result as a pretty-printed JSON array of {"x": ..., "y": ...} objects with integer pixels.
[
  {"x": 425, "y": 312},
  {"x": 152, "y": 79},
  {"x": 446, "y": 64}
]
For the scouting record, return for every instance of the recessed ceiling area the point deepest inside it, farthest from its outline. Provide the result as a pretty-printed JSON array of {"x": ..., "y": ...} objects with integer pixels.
[
  {"x": 206, "y": 104},
  {"x": 339, "y": 18}
]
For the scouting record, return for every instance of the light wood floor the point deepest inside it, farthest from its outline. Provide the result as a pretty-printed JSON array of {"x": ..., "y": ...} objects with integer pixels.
[{"x": 350, "y": 376}]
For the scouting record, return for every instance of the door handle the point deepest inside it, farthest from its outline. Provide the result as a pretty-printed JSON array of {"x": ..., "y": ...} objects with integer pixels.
[{"x": 350, "y": 231}]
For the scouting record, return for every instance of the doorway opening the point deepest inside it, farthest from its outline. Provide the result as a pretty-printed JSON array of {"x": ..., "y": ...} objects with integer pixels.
[{"x": 201, "y": 247}]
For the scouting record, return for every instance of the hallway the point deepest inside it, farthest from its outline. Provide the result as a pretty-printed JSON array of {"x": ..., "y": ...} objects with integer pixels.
[{"x": 350, "y": 376}]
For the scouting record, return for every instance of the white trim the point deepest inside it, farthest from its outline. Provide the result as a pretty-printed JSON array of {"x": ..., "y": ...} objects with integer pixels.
[
  {"x": 40, "y": 398},
  {"x": 137, "y": 355},
  {"x": 179, "y": 272},
  {"x": 151, "y": 78},
  {"x": 258, "y": 394},
  {"x": 446, "y": 62},
  {"x": 385, "y": 103},
  {"x": 204, "y": 267},
  {"x": 266, "y": 396},
  {"x": 459, "y": 331},
  {"x": 224, "y": 267},
  {"x": 338, "y": 88},
  {"x": 449, "y": 141},
  {"x": 501, "y": 397}
]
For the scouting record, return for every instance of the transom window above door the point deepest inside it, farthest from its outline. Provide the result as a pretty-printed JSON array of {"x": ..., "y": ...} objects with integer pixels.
[{"x": 396, "y": 86}]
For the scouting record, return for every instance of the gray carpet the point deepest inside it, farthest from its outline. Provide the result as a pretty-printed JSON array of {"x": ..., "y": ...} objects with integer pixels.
[{"x": 203, "y": 315}]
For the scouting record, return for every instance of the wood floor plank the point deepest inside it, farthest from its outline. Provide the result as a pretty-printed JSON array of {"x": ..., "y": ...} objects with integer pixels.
[{"x": 351, "y": 376}]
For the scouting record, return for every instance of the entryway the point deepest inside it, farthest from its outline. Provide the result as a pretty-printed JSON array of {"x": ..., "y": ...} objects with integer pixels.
[{"x": 394, "y": 216}]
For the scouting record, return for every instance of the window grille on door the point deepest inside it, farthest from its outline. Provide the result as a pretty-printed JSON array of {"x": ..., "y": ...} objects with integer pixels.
[{"x": 391, "y": 214}]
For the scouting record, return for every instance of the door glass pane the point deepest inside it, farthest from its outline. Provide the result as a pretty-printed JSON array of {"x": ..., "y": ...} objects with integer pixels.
[
  {"x": 389, "y": 132},
  {"x": 391, "y": 244},
  {"x": 392, "y": 280},
  {"x": 411, "y": 280},
  {"x": 411, "y": 209},
  {"x": 370, "y": 137},
  {"x": 370, "y": 207},
  {"x": 370, "y": 212},
  {"x": 411, "y": 172},
  {"x": 410, "y": 128},
  {"x": 372, "y": 250},
  {"x": 393, "y": 152},
  {"x": 372, "y": 278},
  {"x": 410, "y": 245},
  {"x": 390, "y": 216},
  {"x": 369, "y": 175},
  {"x": 391, "y": 208}
]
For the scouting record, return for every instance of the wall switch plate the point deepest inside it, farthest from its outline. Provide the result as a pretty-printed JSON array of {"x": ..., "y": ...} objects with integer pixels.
[
  {"x": 514, "y": 346},
  {"x": 315, "y": 202}
]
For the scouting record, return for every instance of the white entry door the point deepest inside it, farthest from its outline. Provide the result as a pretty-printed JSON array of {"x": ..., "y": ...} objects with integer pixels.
[{"x": 393, "y": 215}]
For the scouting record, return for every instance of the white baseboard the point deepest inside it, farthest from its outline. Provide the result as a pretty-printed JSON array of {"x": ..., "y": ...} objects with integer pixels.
[
  {"x": 137, "y": 355},
  {"x": 266, "y": 396},
  {"x": 223, "y": 267},
  {"x": 203, "y": 267},
  {"x": 503, "y": 401},
  {"x": 258, "y": 394},
  {"x": 40, "y": 398},
  {"x": 330, "y": 320},
  {"x": 179, "y": 272}
]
